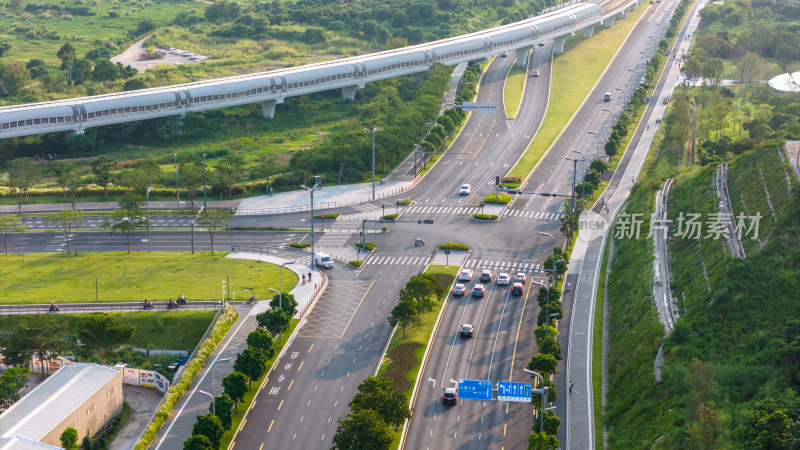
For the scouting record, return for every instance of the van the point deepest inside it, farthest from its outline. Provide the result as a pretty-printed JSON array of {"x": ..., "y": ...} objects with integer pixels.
[
  {"x": 323, "y": 260},
  {"x": 608, "y": 96}
]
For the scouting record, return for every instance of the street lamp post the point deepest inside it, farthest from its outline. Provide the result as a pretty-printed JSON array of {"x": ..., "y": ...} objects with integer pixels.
[
  {"x": 177, "y": 192},
  {"x": 575, "y": 162},
  {"x": 213, "y": 384},
  {"x": 373, "y": 131},
  {"x": 204, "y": 181},
  {"x": 316, "y": 187},
  {"x": 147, "y": 219},
  {"x": 544, "y": 397},
  {"x": 598, "y": 138}
]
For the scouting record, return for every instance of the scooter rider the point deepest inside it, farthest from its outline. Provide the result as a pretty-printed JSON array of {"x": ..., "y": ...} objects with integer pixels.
[
  {"x": 53, "y": 307},
  {"x": 182, "y": 299}
]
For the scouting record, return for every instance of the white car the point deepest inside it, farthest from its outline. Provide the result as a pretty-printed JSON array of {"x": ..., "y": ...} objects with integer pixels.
[
  {"x": 465, "y": 189},
  {"x": 535, "y": 73},
  {"x": 503, "y": 279},
  {"x": 465, "y": 275}
]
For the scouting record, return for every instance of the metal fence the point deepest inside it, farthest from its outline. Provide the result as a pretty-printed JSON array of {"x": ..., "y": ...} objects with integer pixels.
[{"x": 85, "y": 308}]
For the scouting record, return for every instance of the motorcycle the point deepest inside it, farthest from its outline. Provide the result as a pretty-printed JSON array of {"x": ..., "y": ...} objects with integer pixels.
[
  {"x": 171, "y": 305},
  {"x": 147, "y": 305},
  {"x": 182, "y": 300},
  {"x": 419, "y": 241},
  {"x": 53, "y": 308}
]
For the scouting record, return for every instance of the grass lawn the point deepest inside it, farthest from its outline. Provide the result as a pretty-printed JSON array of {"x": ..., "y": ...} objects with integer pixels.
[
  {"x": 574, "y": 74},
  {"x": 404, "y": 354},
  {"x": 597, "y": 351},
  {"x": 512, "y": 91},
  {"x": 248, "y": 402},
  {"x": 153, "y": 329},
  {"x": 42, "y": 277}
]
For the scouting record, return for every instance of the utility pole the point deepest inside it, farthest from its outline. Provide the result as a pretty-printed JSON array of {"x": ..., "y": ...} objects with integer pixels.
[
  {"x": 204, "y": 181},
  {"x": 317, "y": 186},
  {"x": 373, "y": 131},
  {"x": 575, "y": 162}
]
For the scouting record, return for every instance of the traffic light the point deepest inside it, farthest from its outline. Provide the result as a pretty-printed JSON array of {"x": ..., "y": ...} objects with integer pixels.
[
  {"x": 544, "y": 194},
  {"x": 483, "y": 204}
]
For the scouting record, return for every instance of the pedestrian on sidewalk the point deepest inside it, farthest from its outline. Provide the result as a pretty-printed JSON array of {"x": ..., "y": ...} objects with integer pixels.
[{"x": 570, "y": 386}]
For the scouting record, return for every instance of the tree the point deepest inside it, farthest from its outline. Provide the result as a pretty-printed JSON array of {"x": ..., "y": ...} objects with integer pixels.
[
  {"x": 543, "y": 363},
  {"x": 231, "y": 167},
  {"x": 286, "y": 301},
  {"x": 105, "y": 70},
  {"x": 235, "y": 386},
  {"x": 260, "y": 340},
  {"x": 223, "y": 408},
  {"x": 68, "y": 179},
  {"x": 191, "y": 175},
  {"x": 551, "y": 422},
  {"x": 127, "y": 218},
  {"x": 551, "y": 347},
  {"x": 251, "y": 362},
  {"x": 22, "y": 175},
  {"x": 362, "y": 430},
  {"x": 66, "y": 219},
  {"x": 144, "y": 173},
  {"x": 103, "y": 332},
  {"x": 209, "y": 426},
  {"x": 611, "y": 148},
  {"x": 421, "y": 288},
  {"x": 402, "y": 313},
  {"x": 198, "y": 442},
  {"x": 765, "y": 429},
  {"x": 101, "y": 168},
  {"x": 275, "y": 321},
  {"x": 12, "y": 381},
  {"x": 68, "y": 59},
  {"x": 377, "y": 393},
  {"x": 705, "y": 434},
  {"x": 542, "y": 441},
  {"x": 691, "y": 69},
  {"x": 215, "y": 220},
  {"x": 10, "y": 224},
  {"x": 69, "y": 439},
  {"x": 37, "y": 334},
  {"x": 14, "y": 77},
  {"x": 713, "y": 70},
  {"x": 701, "y": 383}
]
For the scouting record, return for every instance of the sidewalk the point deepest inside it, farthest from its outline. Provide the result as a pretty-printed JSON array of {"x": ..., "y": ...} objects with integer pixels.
[
  {"x": 586, "y": 257},
  {"x": 179, "y": 426},
  {"x": 111, "y": 206}
]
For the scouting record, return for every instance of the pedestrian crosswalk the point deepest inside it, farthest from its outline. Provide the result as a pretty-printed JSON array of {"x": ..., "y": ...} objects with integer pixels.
[
  {"x": 532, "y": 214},
  {"x": 400, "y": 260},
  {"x": 469, "y": 209},
  {"x": 333, "y": 240},
  {"x": 509, "y": 266}
]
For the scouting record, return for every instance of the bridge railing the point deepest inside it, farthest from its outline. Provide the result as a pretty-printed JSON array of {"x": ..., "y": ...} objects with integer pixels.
[{"x": 83, "y": 308}]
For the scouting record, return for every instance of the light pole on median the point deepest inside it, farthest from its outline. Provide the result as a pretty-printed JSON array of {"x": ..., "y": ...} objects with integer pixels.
[
  {"x": 147, "y": 219},
  {"x": 316, "y": 187},
  {"x": 177, "y": 192},
  {"x": 575, "y": 162},
  {"x": 373, "y": 131},
  {"x": 544, "y": 397},
  {"x": 213, "y": 383},
  {"x": 598, "y": 138},
  {"x": 280, "y": 281},
  {"x": 204, "y": 181}
]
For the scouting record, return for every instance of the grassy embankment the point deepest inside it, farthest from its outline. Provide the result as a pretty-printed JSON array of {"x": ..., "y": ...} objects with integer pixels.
[
  {"x": 574, "y": 74},
  {"x": 404, "y": 354},
  {"x": 512, "y": 91},
  {"x": 42, "y": 277}
]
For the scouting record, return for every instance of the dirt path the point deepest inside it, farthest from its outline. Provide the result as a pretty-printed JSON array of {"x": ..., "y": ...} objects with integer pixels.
[{"x": 130, "y": 57}]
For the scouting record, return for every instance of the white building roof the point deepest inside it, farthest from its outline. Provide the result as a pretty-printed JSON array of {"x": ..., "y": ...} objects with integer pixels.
[
  {"x": 47, "y": 405},
  {"x": 17, "y": 443},
  {"x": 786, "y": 82}
]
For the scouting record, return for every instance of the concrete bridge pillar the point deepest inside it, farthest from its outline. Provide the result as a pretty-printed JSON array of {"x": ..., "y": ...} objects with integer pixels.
[
  {"x": 268, "y": 108},
  {"x": 587, "y": 32},
  {"x": 623, "y": 14},
  {"x": 175, "y": 123},
  {"x": 522, "y": 56},
  {"x": 638, "y": 2},
  {"x": 349, "y": 92},
  {"x": 608, "y": 23},
  {"x": 558, "y": 44}
]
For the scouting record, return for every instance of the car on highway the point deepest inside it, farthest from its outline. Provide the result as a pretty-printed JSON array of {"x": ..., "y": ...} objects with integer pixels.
[
  {"x": 535, "y": 73},
  {"x": 486, "y": 276},
  {"x": 466, "y": 330},
  {"x": 465, "y": 275},
  {"x": 541, "y": 43},
  {"x": 519, "y": 278},
  {"x": 503, "y": 279},
  {"x": 459, "y": 289},
  {"x": 465, "y": 189},
  {"x": 504, "y": 54},
  {"x": 516, "y": 289},
  {"x": 450, "y": 397},
  {"x": 479, "y": 290}
]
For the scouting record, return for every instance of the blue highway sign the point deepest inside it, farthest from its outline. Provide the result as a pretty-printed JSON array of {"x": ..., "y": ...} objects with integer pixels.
[
  {"x": 514, "y": 392},
  {"x": 475, "y": 389}
]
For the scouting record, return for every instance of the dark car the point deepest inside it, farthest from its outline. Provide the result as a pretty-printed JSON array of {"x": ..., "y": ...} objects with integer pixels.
[
  {"x": 486, "y": 276},
  {"x": 516, "y": 289},
  {"x": 450, "y": 397},
  {"x": 479, "y": 290},
  {"x": 459, "y": 289}
]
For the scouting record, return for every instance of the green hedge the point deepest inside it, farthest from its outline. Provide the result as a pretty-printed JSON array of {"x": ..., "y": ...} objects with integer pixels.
[
  {"x": 497, "y": 199},
  {"x": 299, "y": 245},
  {"x": 370, "y": 246},
  {"x": 485, "y": 216},
  {"x": 355, "y": 263},
  {"x": 454, "y": 246},
  {"x": 390, "y": 216},
  {"x": 510, "y": 185},
  {"x": 221, "y": 327},
  {"x": 332, "y": 216},
  {"x": 405, "y": 202}
]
